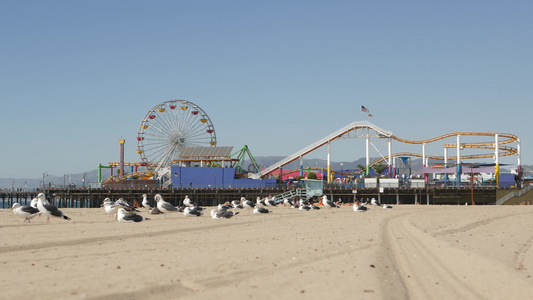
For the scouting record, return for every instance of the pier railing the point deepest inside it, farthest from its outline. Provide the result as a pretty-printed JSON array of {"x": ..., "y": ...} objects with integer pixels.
[
  {"x": 93, "y": 198},
  {"x": 514, "y": 194}
]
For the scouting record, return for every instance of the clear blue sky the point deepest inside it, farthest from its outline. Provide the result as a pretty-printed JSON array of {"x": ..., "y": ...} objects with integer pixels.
[{"x": 77, "y": 76}]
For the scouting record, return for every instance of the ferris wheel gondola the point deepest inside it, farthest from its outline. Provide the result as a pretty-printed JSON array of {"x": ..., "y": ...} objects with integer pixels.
[{"x": 168, "y": 128}]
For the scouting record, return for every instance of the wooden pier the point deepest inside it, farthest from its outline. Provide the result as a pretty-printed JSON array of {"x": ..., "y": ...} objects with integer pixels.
[{"x": 90, "y": 197}]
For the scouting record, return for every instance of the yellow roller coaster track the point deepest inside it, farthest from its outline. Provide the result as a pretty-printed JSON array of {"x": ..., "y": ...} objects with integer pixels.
[
  {"x": 503, "y": 150},
  {"x": 142, "y": 174}
]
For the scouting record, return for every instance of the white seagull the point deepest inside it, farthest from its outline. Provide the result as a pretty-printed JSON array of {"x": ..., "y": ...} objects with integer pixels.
[
  {"x": 304, "y": 208},
  {"x": 155, "y": 211},
  {"x": 25, "y": 211},
  {"x": 145, "y": 203},
  {"x": 187, "y": 201},
  {"x": 124, "y": 204},
  {"x": 224, "y": 206},
  {"x": 48, "y": 209},
  {"x": 314, "y": 207},
  {"x": 247, "y": 203},
  {"x": 271, "y": 201},
  {"x": 237, "y": 204},
  {"x": 258, "y": 201},
  {"x": 33, "y": 202},
  {"x": 191, "y": 212},
  {"x": 164, "y": 206},
  {"x": 128, "y": 217},
  {"x": 109, "y": 207},
  {"x": 222, "y": 214},
  {"x": 261, "y": 210},
  {"x": 329, "y": 203}
]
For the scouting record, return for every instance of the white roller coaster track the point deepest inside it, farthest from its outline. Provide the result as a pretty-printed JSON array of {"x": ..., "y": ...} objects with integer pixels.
[{"x": 344, "y": 132}]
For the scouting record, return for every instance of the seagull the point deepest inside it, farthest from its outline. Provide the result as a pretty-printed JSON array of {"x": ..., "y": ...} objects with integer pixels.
[
  {"x": 329, "y": 203},
  {"x": 287, "y": 202},
  {"x": 237, "y": 204},
  {"x": 247, "y": 203},
  {"x": 224, "y": 206},
  {"x": 222, "y": 214},
  {"x": 187, "y": 201},
  {"x": 373, "y": 201},
  {"x": 48, "y": 209},
  {"x": 155, "y": 211},
  {"x": 386, "y": 206},
  {"x": 304, "y": 207},
  {"x": 314, "y": 207},
  {"x": 25, "y": 211},
  {"x": 164, "y": 206},
  {"x": 261, "y": 210},
  {"x": 123, "y": 216},
  {"x": 33, "y": 202},
  {"x": 109, "y": 207},
  {"x": 196, "y": 207},
  {"x": 358, "y": 207},
  {"x": 124, "y": 204},
  {"x": 191, "y": 212},
  {"x": 145, "y": 203},
  {"x": 270, "y": 201},
  {"x": 258, "y": 201}
]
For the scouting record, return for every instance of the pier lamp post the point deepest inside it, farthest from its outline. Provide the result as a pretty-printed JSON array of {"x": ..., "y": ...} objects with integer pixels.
[
  {"x": 84, "y": 179},
  {"x": 45, "y": 174}
]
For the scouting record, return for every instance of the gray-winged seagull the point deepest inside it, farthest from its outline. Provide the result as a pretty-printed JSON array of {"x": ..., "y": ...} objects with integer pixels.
[
  {"x": 129, "y": 217},
  {"x": 48, "y": 209},
  {"x": 25, "y": 211}
]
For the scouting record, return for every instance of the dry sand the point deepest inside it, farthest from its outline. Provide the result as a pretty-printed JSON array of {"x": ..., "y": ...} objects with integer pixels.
[{"x": 408, "y": 252}]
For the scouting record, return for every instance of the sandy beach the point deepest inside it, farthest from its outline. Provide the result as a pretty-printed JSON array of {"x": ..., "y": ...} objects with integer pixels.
[{"x": 408, "y": 252}]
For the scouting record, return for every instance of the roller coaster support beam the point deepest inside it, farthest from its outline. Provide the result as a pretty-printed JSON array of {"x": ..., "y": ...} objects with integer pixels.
[
  {"x": 424, "y": 161},
  {"x": 389, "y": 146},
  {"x": 329, "y": 162},
  {"x": 367, "y": 151},
  {"x": 301, "y": 166},
  {"x": 496, "y": 160},
  {"x": 100, "y": 171},
  {"x": 122, "y": 141},
  {"x": 458, "y": 176},
  {"x": 445, "y": 164},
  {"x": 519, "y": 162}
]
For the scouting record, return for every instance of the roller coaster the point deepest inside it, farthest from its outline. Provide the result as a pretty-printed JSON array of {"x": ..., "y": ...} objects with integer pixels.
[{"x": 499, "y": 147}]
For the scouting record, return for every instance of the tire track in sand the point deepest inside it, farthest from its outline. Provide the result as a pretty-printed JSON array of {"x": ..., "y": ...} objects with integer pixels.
[{"x": 431, "y": 269}]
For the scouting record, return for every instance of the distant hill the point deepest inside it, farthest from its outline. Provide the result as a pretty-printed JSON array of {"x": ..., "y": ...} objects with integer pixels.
[
  {"x": 266, "y": 161},
  {"x": 50, "y": 180}
]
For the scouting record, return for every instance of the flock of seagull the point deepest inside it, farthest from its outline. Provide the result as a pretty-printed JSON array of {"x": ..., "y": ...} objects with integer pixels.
[
  {"x": 38, "y": 205},
  {"x": 124, "y": 212}
]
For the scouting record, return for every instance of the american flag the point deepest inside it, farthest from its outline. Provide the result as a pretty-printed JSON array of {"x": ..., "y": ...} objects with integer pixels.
[
  {"x": 364, "y": 109},
  {"x": 370, "y": 115}
]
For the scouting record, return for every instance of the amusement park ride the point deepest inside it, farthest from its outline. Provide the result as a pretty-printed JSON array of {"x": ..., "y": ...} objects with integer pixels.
[
  {"x": 173, "y": 128},
  {"x": 497, "y": 148}
]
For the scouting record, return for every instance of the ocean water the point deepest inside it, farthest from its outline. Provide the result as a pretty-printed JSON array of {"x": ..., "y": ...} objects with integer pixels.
[{"x": 8, "y": 203}]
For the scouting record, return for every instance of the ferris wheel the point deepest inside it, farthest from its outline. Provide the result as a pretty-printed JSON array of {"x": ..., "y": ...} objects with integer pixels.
[{"x": 170, "y": 127}]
